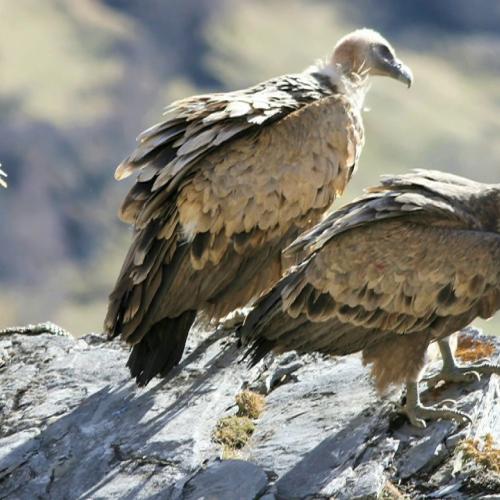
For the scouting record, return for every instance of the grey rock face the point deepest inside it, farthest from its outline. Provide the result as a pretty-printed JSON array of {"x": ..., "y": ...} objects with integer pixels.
[
  {"x": 245, "y": 479},
  {"x": 72, "y": 425}
]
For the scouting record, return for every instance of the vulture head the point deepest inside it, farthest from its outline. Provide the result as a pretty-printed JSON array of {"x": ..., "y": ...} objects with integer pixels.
[{"x": 367, "y": 52}]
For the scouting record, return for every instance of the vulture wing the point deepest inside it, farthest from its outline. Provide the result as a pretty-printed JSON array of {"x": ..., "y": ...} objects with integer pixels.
[
  {"x": 405, "y": 258},
  {"x": 193, "y": 127}
]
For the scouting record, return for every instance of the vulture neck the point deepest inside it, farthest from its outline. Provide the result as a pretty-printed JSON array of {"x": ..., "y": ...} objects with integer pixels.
[{"x": 353, "y": 85}]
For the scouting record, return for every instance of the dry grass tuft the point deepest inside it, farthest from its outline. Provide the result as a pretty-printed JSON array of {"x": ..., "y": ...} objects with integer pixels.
[
  {"x": 485, "y": 454},
  {"x": 250, "y": 404},
  {"x": 470, "y": 349},
  {"x": 233, "y": 432}
]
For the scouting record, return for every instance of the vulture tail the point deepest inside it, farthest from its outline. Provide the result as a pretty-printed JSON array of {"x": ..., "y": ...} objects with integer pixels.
[{"x": 161, "y": 348}]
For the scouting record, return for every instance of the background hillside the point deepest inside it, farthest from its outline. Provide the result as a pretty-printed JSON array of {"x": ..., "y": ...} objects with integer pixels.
[{"x": 81, "y": 78}]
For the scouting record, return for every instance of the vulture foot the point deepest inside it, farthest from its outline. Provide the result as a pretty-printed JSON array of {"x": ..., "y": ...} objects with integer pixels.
[
  {"x": 457, "y": 375},
  {"x": 417, "y": 413},
  {"x": 451, "y": 372}
]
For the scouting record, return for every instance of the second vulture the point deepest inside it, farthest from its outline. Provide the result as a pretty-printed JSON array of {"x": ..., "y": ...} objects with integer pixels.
[
  {"x": 411, "y": 262},
  {"x": 224, "y": 183}
]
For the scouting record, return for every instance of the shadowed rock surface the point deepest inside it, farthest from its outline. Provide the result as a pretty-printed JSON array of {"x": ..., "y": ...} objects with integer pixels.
[{"x": 72, "y": 425}]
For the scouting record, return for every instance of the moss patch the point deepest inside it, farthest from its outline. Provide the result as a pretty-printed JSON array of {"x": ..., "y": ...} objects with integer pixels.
[
  {"x": 250, "y": 404},
  {"x": 483, "y": 453},
  {"x": 470, "y": 349}
]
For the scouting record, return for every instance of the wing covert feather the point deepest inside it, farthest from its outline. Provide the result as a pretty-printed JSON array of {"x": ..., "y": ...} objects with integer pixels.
[
  {"x": 411, "y": 274},
  {"x": 435, "y": 197}
]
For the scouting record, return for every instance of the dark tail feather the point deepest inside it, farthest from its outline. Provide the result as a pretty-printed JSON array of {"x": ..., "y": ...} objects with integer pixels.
[
  {"x": 161, "y": 348},
  {"x": 252, "y": 333}
]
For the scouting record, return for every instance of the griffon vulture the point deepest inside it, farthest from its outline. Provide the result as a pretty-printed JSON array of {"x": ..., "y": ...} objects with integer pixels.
[
  {"x": 412, "y": 261},
  {"x": 224, "y": 183}
]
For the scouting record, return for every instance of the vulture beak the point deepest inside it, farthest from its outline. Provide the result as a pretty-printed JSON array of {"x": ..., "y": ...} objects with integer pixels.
[{"x": 401, "y": 72}]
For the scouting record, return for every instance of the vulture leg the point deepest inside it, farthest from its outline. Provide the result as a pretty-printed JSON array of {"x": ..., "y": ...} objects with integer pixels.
[
  {"x": 417, "y": 413},
  {"x": 451, "y": 372}
]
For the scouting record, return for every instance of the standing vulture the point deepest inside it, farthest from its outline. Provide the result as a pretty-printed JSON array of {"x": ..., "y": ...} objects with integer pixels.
[
  {"x": 224, "y": 183},
  {"x": 414, "y": 260}
]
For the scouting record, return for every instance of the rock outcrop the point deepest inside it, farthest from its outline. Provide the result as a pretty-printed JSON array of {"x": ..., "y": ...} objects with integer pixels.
[{"x": 72, "y": 425}]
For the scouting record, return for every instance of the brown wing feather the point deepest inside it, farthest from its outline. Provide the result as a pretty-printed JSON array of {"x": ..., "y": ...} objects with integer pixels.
[
  {"x": 181, "y": 195},
  {"x": 411, "y": 272},
  {"x": 377, "y": 272},
  {"x": 277, "y": 177},
  {"x": 397, "y": 277},
  {"x": 368, "y": 287}
]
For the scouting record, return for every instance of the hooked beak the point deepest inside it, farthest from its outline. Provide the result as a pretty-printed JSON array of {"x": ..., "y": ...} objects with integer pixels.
[{"x": 401, "y": 72}]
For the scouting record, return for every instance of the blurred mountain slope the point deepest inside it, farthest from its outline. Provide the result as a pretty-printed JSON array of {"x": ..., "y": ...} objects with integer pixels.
[
  {"x": 64, "y": 49},
  {"x": 83, "y": 77}
]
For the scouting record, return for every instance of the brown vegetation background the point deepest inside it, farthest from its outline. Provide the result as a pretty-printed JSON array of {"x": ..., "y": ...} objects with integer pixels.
[{"x": 80, "y": 79}]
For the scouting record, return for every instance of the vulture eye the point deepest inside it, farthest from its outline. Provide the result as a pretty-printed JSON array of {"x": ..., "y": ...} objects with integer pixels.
[{"x": 384, "y": 51}]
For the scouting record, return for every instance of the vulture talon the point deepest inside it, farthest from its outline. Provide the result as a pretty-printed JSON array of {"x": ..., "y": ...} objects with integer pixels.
[
  {"x": 417, "y": 422},
  {"x": 483, "y": 369},
  {"x": 447, "y": 403},
  {"x": 433, "y": 381},
  {"x": 451, "y": 372},
  {"x": 483, "y": 361},
  {"x": 417, "y": 413},
  {"x": 456, "y": 376}
]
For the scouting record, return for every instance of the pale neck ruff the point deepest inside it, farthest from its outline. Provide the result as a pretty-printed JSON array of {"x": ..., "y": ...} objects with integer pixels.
[{"x": 353, "y": 84}]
